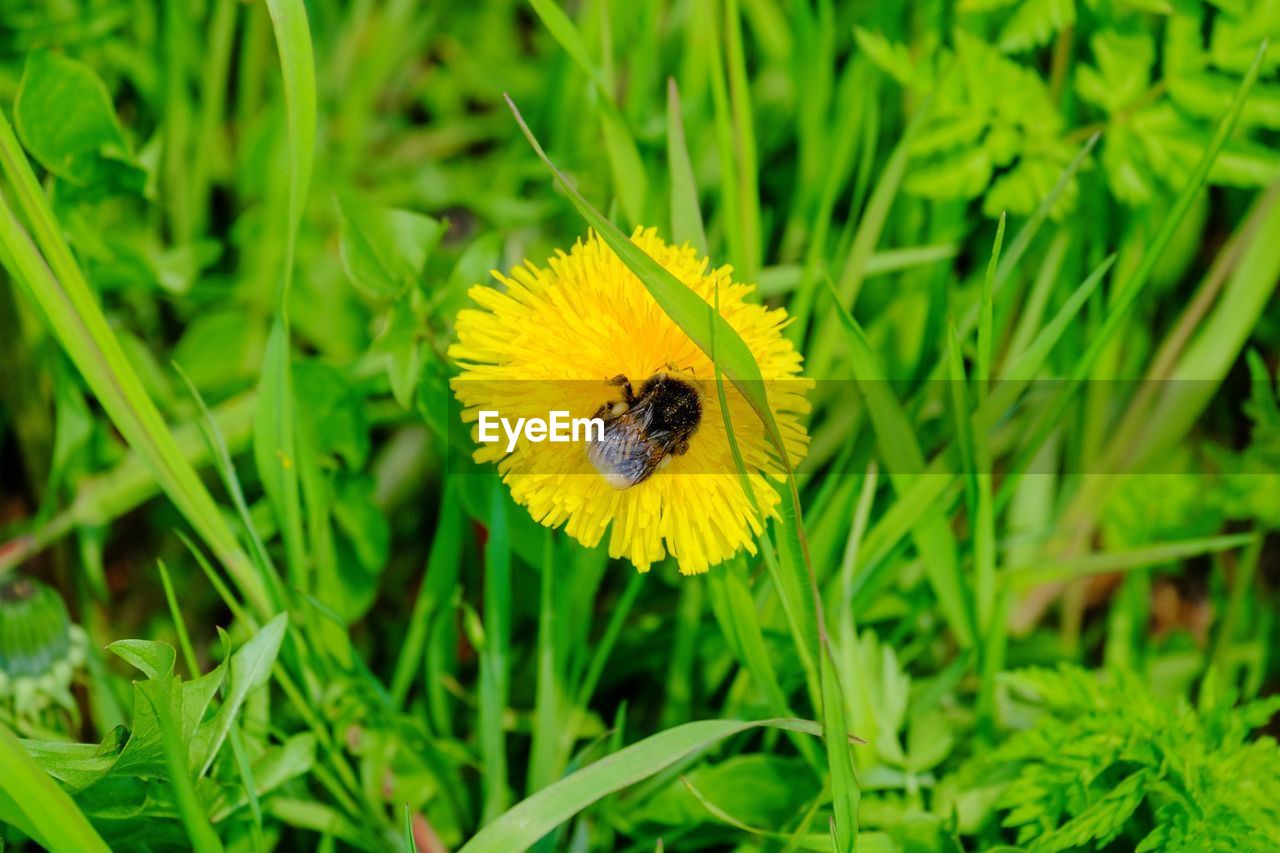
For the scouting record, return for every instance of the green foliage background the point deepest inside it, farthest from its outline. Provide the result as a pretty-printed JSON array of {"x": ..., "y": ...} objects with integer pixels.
[{"x": 235, "y": 237}]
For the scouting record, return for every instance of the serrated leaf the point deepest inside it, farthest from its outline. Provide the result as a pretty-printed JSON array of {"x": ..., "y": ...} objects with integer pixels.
[
  {"x": 964, "y": 174},
  {"x": 1121, "y": 72},
  {"x": 891, "y": 57},
  {"x": 1035, "y": 22}
]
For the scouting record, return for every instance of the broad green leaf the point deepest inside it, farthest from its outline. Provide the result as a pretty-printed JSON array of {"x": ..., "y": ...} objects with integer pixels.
[
  {"x": 383, "y": 250},
  {"x": 155, "y": 660},
  {"x": 220, "y": 348},
  {"x": 782, "y": 786},
  {"x": 398, "y": 344},
  {"x": 332, "y": 412},
  {"x": 65, "y": 117},
  {"x": 140, "y": 750}
]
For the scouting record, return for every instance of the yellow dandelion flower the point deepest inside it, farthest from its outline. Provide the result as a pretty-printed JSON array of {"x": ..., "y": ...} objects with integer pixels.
[{"x": 554, "y": 337}]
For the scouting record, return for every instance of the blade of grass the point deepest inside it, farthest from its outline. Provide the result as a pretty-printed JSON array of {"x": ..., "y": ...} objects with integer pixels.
[
  {"x": 275, "y": 450},
  {"x": 1029, "y": 230},
  {"x": 905, "y": 462},
  {"x": 245, "y": 769},
  {"x": 840, "y": 149},
  {"x": 534, "y": 817},
  {"x": 549, "y": 690},
  {"x": 845, "y": 793},
  {"x": 930, "y": 492},
  {"x": 986, "y": 315},
  {"x": 210, "y": 143},
  {"x": 102, "y": 498},
  {"x": 873, "y": 220},
  {"x": 176, "y": 186},
  {"x": 35, "y": 804},
  {"x": 297, "y": 62},
  {"x": 1127, "y": 293},
  {"x": 852, "y": 672},
  {"x": 744, "y": 142},
  {"x": 179, "y": 626},
  {"x": 800, "y": 610},
  {"x": 1032, "y": 310},
  {"x": 599, "y": 658},
  {"x": 686, "y": 215},
  {"x": 984, "y": 549},
  {"x": 275, "y": 447},
  {"x": 629, "y": 176},
  {"x": 681, "y": 673},
  {"x": 723, "y": 123},
  {"x": 438, "y": 584},
  {"x": 220, "y": 456},
  {"x": 494, "y": 657},
  {"x": 199, "y": 830},
  {"x": 789, "y": 576},
  {"x": 1124, "y": 560},
  {"x": 741, "y": 625}
]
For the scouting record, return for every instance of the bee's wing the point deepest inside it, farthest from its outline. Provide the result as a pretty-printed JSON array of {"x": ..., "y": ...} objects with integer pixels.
[{"x": 624, "y": 457}]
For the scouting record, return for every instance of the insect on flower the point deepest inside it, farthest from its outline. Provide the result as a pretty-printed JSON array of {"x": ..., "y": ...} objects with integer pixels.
[
  {"x": 644, "y": 431},
  {"x": 662, "y": 480}
]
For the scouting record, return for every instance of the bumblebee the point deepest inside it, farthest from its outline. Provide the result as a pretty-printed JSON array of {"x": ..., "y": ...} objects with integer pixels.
[{"x": 644, "y": 431}]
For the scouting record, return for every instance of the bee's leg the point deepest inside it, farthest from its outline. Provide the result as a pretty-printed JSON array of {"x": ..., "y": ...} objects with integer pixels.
[
  {"x": 681, "y": 447},
  {"x": 628, "y": 394},
  {"x": 672, "y": 367},
  {"x": 610, "y": 410}
]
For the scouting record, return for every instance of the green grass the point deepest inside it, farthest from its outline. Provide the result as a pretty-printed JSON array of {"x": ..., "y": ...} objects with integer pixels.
[{"x": 1020, "y": 591}]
